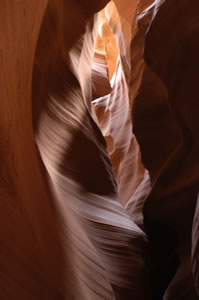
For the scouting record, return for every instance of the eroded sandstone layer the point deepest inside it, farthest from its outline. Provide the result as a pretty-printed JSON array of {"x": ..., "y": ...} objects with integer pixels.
[{"x": 99, "y": 150}]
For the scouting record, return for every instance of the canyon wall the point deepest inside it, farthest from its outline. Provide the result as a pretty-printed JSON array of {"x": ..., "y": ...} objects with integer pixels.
[
  {"x": 164, "y": 122},
  {"x": 99, "y": 149},
  {"x": 65, "y": 233}
]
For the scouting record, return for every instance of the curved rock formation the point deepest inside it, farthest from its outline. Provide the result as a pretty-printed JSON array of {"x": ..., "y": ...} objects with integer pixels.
[
  {"x": 61, "y": 222},
  {"x": 30, "y": 254},
  {"x": 100, "y": 80},
  {"x": 113, "y": 112},
  {"x": 153, "y": 124},
  {"x": 99, "y": 150},
  {"x": 92, "y": 220},
  {"x": 172, "y": 161}
]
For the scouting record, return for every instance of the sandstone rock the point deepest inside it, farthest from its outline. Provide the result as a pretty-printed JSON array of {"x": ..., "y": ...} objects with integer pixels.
[
  {"x": 92, "y": 220},
  {"x": 100, "y": 79},
  {"x": 195, "y": 245},
  {"x": 113, "y": 112},
  {"x": 170, "y": 52},
  {"x": 30, "y": 254}
]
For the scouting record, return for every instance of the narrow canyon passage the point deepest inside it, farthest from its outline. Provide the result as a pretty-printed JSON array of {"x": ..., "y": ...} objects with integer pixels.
[{"x": 99, "y": 150}]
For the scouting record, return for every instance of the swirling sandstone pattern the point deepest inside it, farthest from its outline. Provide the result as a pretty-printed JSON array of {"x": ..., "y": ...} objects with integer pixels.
[
  {"x": 99, "y": 198},
  {"x": 93, "y": 222},
  {"x": 58, "y": 247}
]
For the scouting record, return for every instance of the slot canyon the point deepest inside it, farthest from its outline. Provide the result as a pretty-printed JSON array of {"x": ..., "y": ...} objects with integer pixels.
[{"x": 99, "y": 149}]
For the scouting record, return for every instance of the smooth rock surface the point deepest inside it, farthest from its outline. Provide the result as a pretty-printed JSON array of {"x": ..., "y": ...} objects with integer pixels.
[{"x": 170, "y": 52}]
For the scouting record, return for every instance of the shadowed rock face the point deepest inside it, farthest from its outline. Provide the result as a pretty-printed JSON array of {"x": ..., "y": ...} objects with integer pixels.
[
  {"x": 98, "y": 199},
  {"x": 165, "y": 100},
  {"x": 195, "y": 245}
]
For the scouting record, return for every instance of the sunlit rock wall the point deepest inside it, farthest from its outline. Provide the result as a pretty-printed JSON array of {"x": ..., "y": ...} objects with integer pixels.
[{"x": 113, "y": 110}]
